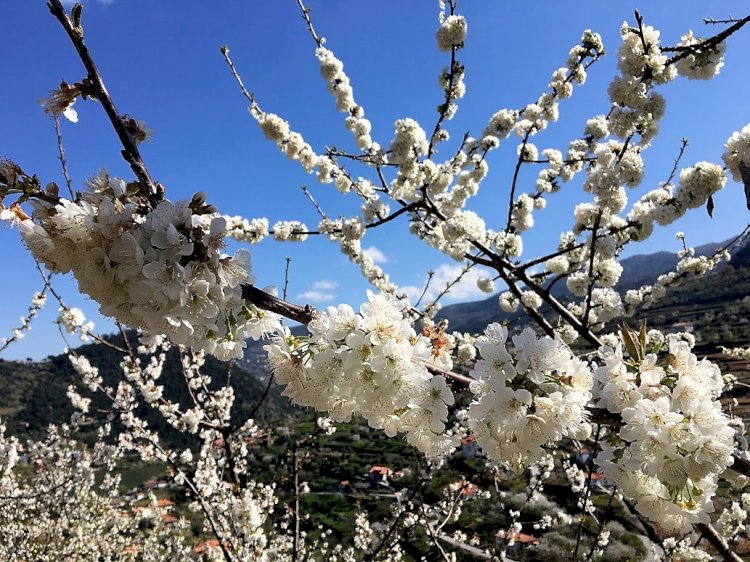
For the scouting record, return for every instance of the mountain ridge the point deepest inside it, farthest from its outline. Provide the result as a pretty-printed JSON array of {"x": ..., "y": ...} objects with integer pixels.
[{"x": 638, "y": 270}]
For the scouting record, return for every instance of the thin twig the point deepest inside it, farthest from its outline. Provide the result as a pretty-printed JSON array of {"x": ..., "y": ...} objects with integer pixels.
[
  {"x": 61, "y": 156},
  {"x": 407, "y": 209},
  {"x": 308, "y": 21},
  {"x": 712, "y": 21},
  {"x": 602, "y": 523},
  {"x": 591, "y": 277},
  {"x": 286, "y": 277},
  {"x": 586, "y": 494},
  {"x": 391, "y": 529},
  {"x": 514, "y": 182},
  {"x": 430, "y": 275},
  {"x": 449, "y": 286},
  {"x": 248, "y": 95},
  {"x": 454, "y": 68},
  {"x": 313, "y": 201},
  {"x": 295, "y": 501},
  {"x": 17, "y": 333},
  {"x": 262, "y": 399},
  {"x": 683, "y": 146}
]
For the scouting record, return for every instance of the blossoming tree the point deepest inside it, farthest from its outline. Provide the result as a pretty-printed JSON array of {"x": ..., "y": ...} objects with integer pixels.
[{"x": 641, "y": 399}]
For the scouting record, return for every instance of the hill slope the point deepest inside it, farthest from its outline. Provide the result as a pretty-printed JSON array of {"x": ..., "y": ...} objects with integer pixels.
[
  {"x": 33, "y": 395},
  {"x": 637, "y": 271}
]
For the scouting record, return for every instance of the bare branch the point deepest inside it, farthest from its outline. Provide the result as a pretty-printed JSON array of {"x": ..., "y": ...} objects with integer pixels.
[
  {"x": 61, "y": 156},
  {"x": 712, "y": 21},
  {"x": 286, "y": 277},
  {"x": 248, "y": 95},
  {"x": 313, "y": 201},
  {"x": 718, "y": 542},
  {"x": 683, "y": 146},
  {"x": 687, "y": 50},
  {"x": 130, "y": 152},
  {"x": 308, "y": 21},
  {"x": 430, "y": 275}
]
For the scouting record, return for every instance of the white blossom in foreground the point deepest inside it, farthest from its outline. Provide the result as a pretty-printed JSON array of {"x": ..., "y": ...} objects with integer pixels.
[
  {"x": 527, "y": 395},
  {"x": 370, "y": 363},
  {"x": 675, "y": 441},
  {"x": 159, "y": 269}
]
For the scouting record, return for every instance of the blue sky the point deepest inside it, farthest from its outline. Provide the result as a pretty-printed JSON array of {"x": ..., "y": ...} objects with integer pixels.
[{"x": 161, "y": 62}]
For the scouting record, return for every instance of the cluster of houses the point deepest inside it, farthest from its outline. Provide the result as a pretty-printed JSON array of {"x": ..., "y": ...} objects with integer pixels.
[
  {"x": 259, "y": 437},
  {"x": 159, "y": 508}
]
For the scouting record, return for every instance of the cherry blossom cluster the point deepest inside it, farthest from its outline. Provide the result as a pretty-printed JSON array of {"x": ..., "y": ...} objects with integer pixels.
[
  {"x": 451, "y": 184},
  {"x": 703, "y": 61},
  {"x": 326, "y": 168},
  {"x": 733, "y": 520},
  {"x": 452, "y": 31},
  {"x": 465, "y": 348},
  {"x": 72, "y": 320},
  {"x": 616, "y": 164},
  {"x": 340, "y": 87},
  {"x": 239, "y": 515},
  {"x": 348, "y": 232},
  {"x": 675, "y": 441},
  {"x": 683, "y": 549},
  {"x": 642, "y": 65},
  {"x": 160, "y": 269},
  {"x": 527, "y": 395},
  {"x": 370, "y": 363},
  {"x": 291, "y": 143}
]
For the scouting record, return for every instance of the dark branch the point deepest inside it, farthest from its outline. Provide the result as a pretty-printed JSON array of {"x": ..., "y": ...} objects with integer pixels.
[
  {"x": 687, "y": 50},
  {"x": 271, "y": 303},
  {"x": 130, "y": 151}
]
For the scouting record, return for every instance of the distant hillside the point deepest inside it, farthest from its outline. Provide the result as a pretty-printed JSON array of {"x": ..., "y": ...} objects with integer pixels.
[
  {"x": 33, "y": 395},
  {"x": 638, "y": 270}
]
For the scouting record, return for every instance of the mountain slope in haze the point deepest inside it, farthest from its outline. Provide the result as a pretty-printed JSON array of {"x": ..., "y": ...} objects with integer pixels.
[{"x": 638, "y": 270}]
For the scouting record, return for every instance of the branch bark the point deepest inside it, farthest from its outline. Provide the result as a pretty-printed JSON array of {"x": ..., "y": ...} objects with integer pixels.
[
  {"x": 718, "y": 542},
  {"x": 130, "y": 151}
]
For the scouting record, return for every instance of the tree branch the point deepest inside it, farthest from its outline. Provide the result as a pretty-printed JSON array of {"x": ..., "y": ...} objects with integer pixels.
[
  {"x": 130, "y": 151},
  {"x": 718, "y": 542}
]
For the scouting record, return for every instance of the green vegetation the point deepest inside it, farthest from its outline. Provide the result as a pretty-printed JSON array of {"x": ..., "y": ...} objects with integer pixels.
[{"x": 34, "y": 394}]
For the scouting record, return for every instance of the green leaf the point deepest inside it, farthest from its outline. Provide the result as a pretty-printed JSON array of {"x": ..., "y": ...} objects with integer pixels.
[
  {"x": 642, "y": 338},
  {"x": 630, "y": 345}
]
